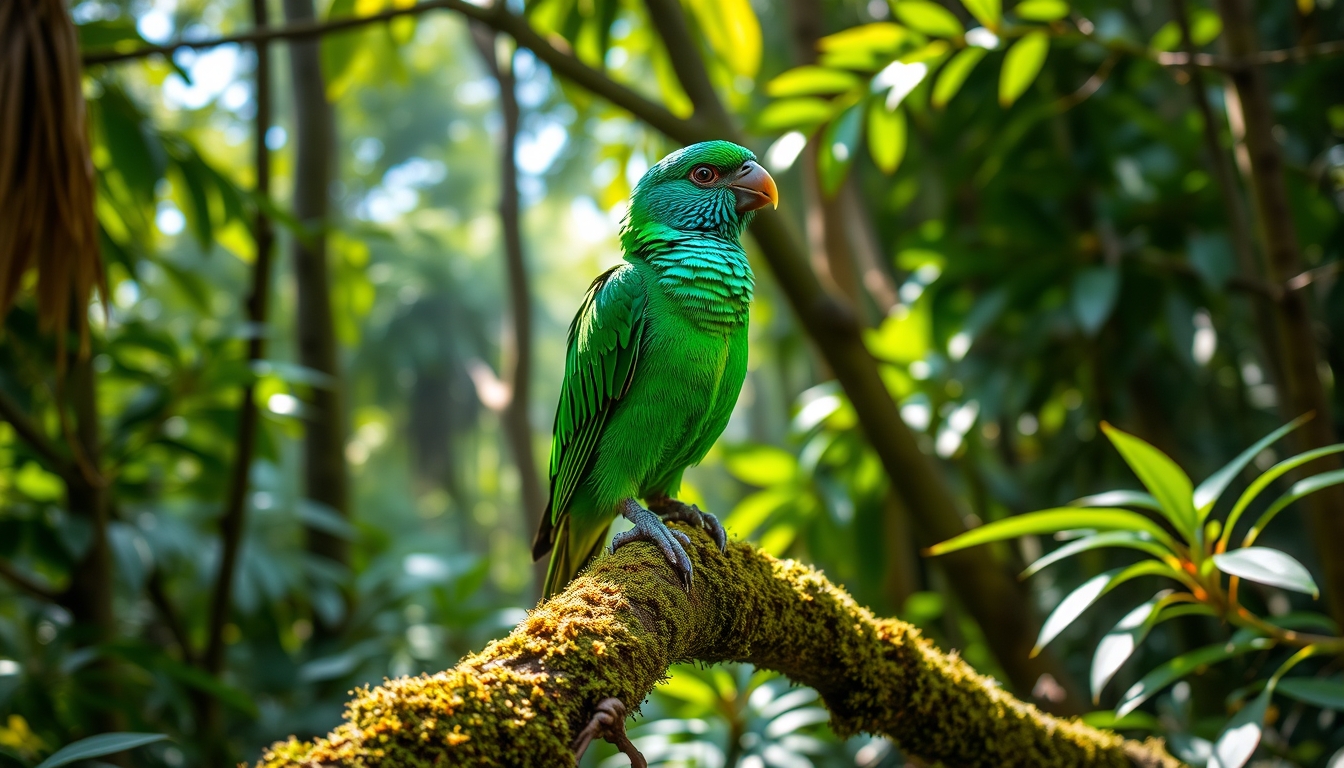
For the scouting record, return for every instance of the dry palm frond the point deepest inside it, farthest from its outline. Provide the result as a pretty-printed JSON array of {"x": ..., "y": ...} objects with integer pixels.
[{"x": 47, "y": 217}]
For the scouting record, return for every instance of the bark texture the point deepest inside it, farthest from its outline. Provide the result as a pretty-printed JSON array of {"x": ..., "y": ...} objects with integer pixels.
[
  {"x": 1299, "y": 357},
  {"x": 616, "y": 629}
]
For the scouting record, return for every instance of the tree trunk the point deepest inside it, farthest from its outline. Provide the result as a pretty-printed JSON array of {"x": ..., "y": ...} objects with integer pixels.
[
  {"x": 324, "y": 471},
  {"x": 616, "y": 629},
  {"x": 517, "y": 362},
  {"x": 1299, "y": 359}
]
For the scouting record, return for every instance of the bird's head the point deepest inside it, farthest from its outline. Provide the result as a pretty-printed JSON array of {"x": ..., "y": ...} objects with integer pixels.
[{"x": 713, "y": 186}]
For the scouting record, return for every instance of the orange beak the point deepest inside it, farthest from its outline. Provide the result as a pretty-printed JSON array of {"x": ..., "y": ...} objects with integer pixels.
[{"x": 754, "y": 188}]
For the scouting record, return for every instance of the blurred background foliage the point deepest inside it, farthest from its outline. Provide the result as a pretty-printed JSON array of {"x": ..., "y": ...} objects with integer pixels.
[{"x": 1023, "y": 211}]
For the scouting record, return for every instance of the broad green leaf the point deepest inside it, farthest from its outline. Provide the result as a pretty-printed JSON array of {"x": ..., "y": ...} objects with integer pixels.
[
  {"x": 1021, "y": 65},
  {"x": 839, "y": 145},
  {"x": 952, "y": 76},
  {"x": 99, "y": 746},
  {"x": 1160, "y": 475},
  {"x": 761, "y": 465},
  {"x": 1207, "y": 492},
  {"x": 1120, "y": 498},
  {"x": 1263, "y": 481},
  {"x": 1054, "y": 521},
  {"x": 987, "y": 12},
  {"x": 811, "y": 81},
  {"x": 927, "y": 17},
  {"x": 1241, "y": 736},
  {"x": 886, "y": 136},
  {"x": 1182, "y": 665},
  {"x": 1119, "y": 644},
  {"x": 1041, "y": 10},
  {"x": 1267, "y": 566},
  {"x": 1301, "y": 488},
  {"x": 880, "y": 37},
  {"x": 751, "y": 512},
  {"x": 1326, "y": 694},
  {"x": 786, "y": 114},
  {"x": 1093, "y": 297},
  {"x": 733, "y": 32},
  {"x": 118, "y": 34},
  {"x": 1130, "y": 539}
]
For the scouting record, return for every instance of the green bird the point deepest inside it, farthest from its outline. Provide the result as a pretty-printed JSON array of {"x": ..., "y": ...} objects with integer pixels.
[{"x": 657, "y": 356}]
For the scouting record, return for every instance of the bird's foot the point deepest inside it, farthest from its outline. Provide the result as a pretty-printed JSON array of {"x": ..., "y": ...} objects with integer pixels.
[
  {"x": 608, "y": 722},
  {"x": 649, "y": 528},
  {"x": 681, "y": 512}
]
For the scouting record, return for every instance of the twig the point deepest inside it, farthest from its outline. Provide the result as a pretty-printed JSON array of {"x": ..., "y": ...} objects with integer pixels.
[
  {"x": 30, "y": 434},
  {"x": 1298, "y": 282},
  {"x": 28, "y": 584},
  {"x": 159, "y": 596}
]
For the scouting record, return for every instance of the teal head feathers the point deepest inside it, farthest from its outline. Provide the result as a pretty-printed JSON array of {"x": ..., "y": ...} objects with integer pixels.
[{"x": 711, "y": 187}]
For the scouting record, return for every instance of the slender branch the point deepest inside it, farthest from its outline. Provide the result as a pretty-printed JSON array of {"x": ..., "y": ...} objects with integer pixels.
[
  {"x": 11, "y": 412},
  {"x": 232, "y": 520},
  {"x": 28, "y": 584},
  {"x": 158, "y": 595},
  {"x": 615, "y": 630}
]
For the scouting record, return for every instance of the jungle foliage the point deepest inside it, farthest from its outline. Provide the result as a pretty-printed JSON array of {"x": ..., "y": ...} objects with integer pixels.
[{"x": 1038, "y": 219}]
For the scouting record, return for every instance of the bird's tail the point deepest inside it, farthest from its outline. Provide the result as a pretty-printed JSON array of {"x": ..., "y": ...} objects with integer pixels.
[{"x": 567, "y": 560}]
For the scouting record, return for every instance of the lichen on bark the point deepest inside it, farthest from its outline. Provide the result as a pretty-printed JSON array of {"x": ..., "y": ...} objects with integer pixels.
[{"x": 617, "y": 628}]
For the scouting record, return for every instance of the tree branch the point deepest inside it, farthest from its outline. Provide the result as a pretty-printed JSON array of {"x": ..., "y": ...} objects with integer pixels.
[
  {"x": 615, "y": 630},
  {"x": 11, "y": 412},
  {"x": 27, "y": 584}
]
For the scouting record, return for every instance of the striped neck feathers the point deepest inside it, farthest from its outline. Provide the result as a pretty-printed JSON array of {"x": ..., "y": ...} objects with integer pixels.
[{"x": 705, "y": 275}]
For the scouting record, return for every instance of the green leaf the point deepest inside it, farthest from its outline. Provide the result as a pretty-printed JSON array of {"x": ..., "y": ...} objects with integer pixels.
[
  {"x": 839, "y": 145},
  {"x": 1267, "y": 566},
  {"x": 1071, "y": 607},
  {"x": 761, "y": 465},
  {"x": 1130, "y": 539},
  {"x": 1021, "y": 65},
  {"x": 930, "y": 18},
  {"x": 1326, "y": 694},
  {"x": 1182, "y": 665},
  {"x": 878, "y": 39},
  {"x": 952, "y": 76},
  {"x": 752, "y": 512},
  {"x": 1093, "y": 297},
  {"x": 811, "y": 81},
  {"x": 1119, "y": 644},
  {"x": 733, "y": 32},
  {"x": 1053, "y": 521},
  {"x": 886, "y": 136},
  {"x": 1207, "y": 492},
  {"x": 1205, "y": 26},
  {"x": 99, "y": 746},
  {"x": 987, "y": 12},
  {"x": 1242, "y": 734},
  {"x": 1270, "y": 475},
  {"x": 1041, "y": 10},
  {"x": 1160, "y": 475},
  {"x": 1120, "y": 498},
  {"x": 1079, "y": 600},
  {"x": 787, "y": 114},
  {"x": 1304, "y": 487}
]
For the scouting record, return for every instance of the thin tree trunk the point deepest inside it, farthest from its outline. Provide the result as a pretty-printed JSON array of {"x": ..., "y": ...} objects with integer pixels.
[
  {"x": 324, "y": 470},
  {"x": 517, "y": 358},
  {"x": 1302, "y": 390},
  {"x": 233, "y": 521}
]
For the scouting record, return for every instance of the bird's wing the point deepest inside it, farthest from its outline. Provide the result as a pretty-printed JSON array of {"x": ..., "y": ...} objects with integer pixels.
[{"x": 603, "y": 353}]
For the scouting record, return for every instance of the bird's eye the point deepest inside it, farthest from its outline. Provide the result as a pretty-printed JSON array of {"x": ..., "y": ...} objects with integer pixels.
[{"x": 704, "y": 174}]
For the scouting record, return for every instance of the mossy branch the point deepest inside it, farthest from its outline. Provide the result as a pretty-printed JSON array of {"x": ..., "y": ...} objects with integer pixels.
[{"x": 617, "y": 628}]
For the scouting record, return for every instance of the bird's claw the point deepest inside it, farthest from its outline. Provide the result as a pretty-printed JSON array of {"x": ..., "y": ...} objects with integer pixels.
[
  {"x": 608, "y": 722},
  {"x": 671, "y": 543},
  {"x": 681, "y": 512}
]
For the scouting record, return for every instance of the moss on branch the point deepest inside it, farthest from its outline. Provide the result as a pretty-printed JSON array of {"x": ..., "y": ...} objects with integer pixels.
[{"x": 617, "y": 628}]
